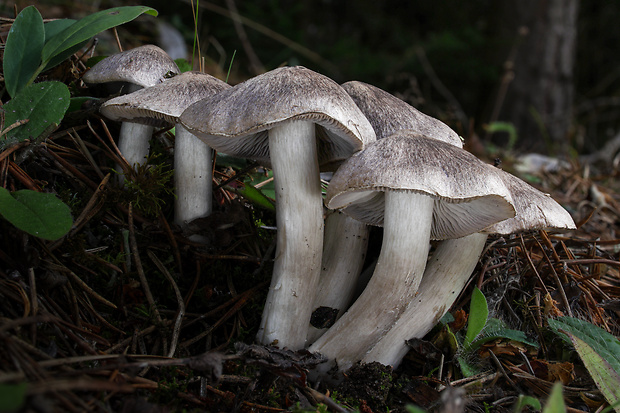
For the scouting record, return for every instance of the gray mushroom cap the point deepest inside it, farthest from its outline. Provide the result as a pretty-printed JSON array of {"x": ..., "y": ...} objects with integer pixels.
[
  {"x": 535, "y": 210},
  {"x": 388, "y": 114},
  {"x": 468, "y": 195},
  {"x": 162, "y": 104},
  {"x": 143, "y": 66},
  {"x": 242, "y": 115}
]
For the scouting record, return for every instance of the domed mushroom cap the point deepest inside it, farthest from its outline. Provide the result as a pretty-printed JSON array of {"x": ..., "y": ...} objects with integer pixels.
[
  {"x": 162, "y": 104},
  {"x": 388, "y": 114},
  {"x": 241, "y": 116},
  {"x": 468, "y": 195},
  {"x": 143, "y": 66},
  {"x": 534, "y": 209}
]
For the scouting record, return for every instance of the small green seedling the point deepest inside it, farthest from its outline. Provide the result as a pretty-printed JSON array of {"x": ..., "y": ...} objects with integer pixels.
[{"x": 480, "y": 330}]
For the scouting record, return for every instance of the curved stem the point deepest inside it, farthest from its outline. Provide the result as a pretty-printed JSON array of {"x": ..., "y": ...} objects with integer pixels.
[
  {"x": 192, "y": 177},
  {"x": 299, "y": 217},
  {"x": 407, "y": 225},
  {"x": 445, "y": 276},
  {"x": 344, "y": 250}
]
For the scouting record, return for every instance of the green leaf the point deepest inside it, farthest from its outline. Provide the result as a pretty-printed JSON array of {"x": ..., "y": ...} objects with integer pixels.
[
  {"x": 600, "y": 340},
  {"x": 52, "y": 28},
  {"x": 496, "y": 329},
  {"x": 39, "y": 214},
  {"x": 258, "y": 179},
  {"x": 507, "y": 127},
  {"x": 478, "y": 314},
  {"x": 12, "y": 396},
  {"x": 606, "y": 378},
  {"x": 555, "y": 402},
  {"x": 410, "y": 408},
  {"x": 43, "y": 104},
  {"x": 467, "y": 368},
  {"x": 89, "y": 26},
  {"x": 59, "y": 58},
  {"x": 256, "y": 197},
  {"x": 22, "y": 53},
  {"x": 77, "y": 102},
  {"x": 524, "y": 401},
  {"x": 183, "y": 65}
]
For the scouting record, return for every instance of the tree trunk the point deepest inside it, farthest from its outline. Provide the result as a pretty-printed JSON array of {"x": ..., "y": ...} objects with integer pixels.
[{"x": 539, "y": 98}]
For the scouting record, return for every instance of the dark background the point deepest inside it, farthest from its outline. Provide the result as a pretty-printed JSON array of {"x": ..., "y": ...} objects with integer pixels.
[{"x": 549, "y": 68}]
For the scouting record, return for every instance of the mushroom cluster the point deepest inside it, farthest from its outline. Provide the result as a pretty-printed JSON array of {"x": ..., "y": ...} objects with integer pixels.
[{"x": 394, "y": 167}]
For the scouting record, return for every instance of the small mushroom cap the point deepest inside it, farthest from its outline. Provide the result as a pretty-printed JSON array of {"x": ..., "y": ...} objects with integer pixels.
[
  {"x": 534, "y": 209},
  {"x": 240, "y": 117},
  {"x": 162, "y": 104},
  {"x": 144, "y": 66},
  {"x": 388, "y": 114},
  {"x": 468, "y": 196}
]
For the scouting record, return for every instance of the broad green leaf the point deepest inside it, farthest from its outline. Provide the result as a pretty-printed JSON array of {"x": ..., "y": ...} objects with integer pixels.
[
  {"x": 555, "y": 402},
  {"x": 52, "y": 29},
  {"x": 600, "y": 340},
  {"x": 43, "y": 104},
  {"x": 478, "y": 314},
  {"x": 89, "y": 26},
  {"x": 606, "y": 378},
  {"x": 39, "y": 214},
  {"x": 12, "y": 396},
  {"x": 22, "y": 52}
]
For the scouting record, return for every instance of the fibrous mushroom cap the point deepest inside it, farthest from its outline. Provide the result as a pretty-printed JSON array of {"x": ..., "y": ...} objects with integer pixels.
[
  {"x": 534, "y": 209},
  {"x": 162, "y": 104},
  {"x": 241, "y": 116},
  {"x": 468, "y": 195},
  {"x": 388, "y": 114},
  {"x": 143, "y": 66}
]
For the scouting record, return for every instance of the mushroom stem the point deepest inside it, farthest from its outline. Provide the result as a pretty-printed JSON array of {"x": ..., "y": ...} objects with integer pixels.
[
  {"x": 344, "y": 250},
  {"x": 133, "y": 143},
  {"x": 407, "y": 226},
  {"x": 192, "y": 176},
  {"x": 299, "y": 218},
  {"x": 445, "y": 276}
]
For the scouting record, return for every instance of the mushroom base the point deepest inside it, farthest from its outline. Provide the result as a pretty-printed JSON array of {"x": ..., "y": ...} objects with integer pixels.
[
  {"x": 446, "y": 274},
  {"x": 393, "y": 284}
]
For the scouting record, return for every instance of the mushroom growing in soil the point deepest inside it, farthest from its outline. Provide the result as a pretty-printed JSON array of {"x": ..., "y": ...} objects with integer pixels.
[
  {"x": 298, "y": 121},
  {"x": 340, "y": 270},
  {"x": 452, "y": 264},
  {"x": 160, "y": 106},
  {"x": 418, "y": 189},
  {"x": 144, "y": 66}
]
